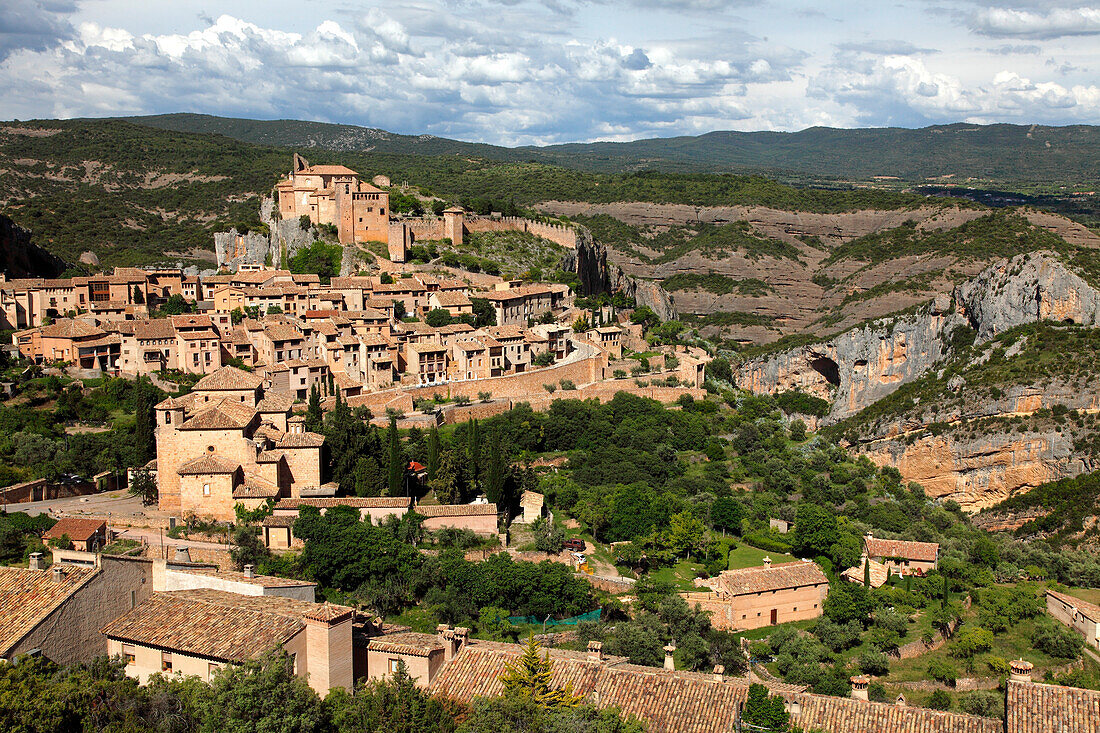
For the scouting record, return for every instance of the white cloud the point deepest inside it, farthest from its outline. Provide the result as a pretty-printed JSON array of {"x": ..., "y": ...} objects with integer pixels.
[
  {"x": 1059, "y": 22},
  {"x": 33, "y": 24}
]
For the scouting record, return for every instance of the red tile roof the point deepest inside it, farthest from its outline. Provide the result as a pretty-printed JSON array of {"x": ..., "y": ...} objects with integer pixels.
[
  {"x": 1088, "y": 610},
  {"x": 1036, "y": 708},
  {"x": 359, "y": 502},
  {"x": 410, "y": 643},
  {"x": 764, "y": 578},
  {"x": 27, "y": 597},
  {"x": 79, "y": 529},
  {"x": 455, "y": 510},
  {"x": 226, "y": 415},
  {"x": 905, "y": 549},
  {"x": 300, "y": 440},
  {"x": 228, "y": 378}
]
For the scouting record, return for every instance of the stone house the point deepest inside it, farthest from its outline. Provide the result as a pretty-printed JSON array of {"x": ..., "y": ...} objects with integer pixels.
[
  {"x": 198, "y": 631},
  {"x": 456, "y": 303},
  {"x": 86, "y": 534},
  {"x": 59, "y": 610},
  {"x": 765, "y": 595},
  {"x": 478, "y": 518},
  {"x": 1081, "y": 616},
  {"x": 517, "y": 306},
  {"x": 902, "y": 557}
]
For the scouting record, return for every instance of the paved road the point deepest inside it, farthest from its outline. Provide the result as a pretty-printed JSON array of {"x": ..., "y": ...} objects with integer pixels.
[
  {"x": 111, "y": 503},
  {"x": 155, "y": 538}
]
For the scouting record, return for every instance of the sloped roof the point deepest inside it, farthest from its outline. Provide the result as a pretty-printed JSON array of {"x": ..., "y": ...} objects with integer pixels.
[
  {"x": 1088, "y": 610},
  {"x": 328, "y": 170},
  {"x": 410, "y": 643},
  {"x": 71, "y": 329},
  {"x": 228, "y": 378},
  {"x": 263, "y": 581},
  {"x": 208, "y": 465},
  {"x": 225, "y": 415},
  {"x": 300, "y": 440},
  {"x": 79, "y": 529},
  {"x": 455, "y": 510},
  {"x": 906, "y": 549},
  {"x": 1031, "y": 707},
  {"x": 449, "y": 298},
  {"x": 359, "y": 502},
  {"x": 27, "y": 597},
  {"x": 212, "y": 624},
  {"x": 686, "y": 702},
  {"x": 764, "y": 578},
  {"x": 275, "y": 402},
  {"x": 879, "y": 574}
]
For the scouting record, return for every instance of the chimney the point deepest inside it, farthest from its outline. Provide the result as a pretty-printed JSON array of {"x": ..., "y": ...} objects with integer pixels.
[
  {"x": 250, "y": 571},
  {"x": 595, "y": 651},
  {"x": 719, "y": 670},
  {"x": 447, "y": 636},
  {"x": 1021, "y": 670},
  {"x": 182, "y": 555},
  {"x": 670, "y": 663},
  {"x": 767, "y": 561},
  {"x": 859, "y": 687},
  {"x": 58, "y": 576},
  {"x": 900, "y": 702},
  {"x": 462, "y": 635},
  {"x": 36, "y": 561}
]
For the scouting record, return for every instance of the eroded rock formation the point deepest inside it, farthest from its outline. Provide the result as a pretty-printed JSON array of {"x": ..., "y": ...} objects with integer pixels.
[
  {"x": 597, "y": 275},
  {"x": 20, "y": 257}
]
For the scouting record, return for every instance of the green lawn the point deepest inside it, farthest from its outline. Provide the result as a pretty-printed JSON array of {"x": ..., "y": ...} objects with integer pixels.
[
  {"x": 681, "y": 575},
  {"x": 1089, "y": 595},
  {"x": 746, "y": 556}
]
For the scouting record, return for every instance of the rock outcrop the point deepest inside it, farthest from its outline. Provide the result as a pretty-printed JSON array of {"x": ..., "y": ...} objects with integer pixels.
[
  {"x": 980, "y": 472},
  {"x": 597, "y": 275},
  {"x": 865, "y": 364},
  {"x": 20, "y": 257}
]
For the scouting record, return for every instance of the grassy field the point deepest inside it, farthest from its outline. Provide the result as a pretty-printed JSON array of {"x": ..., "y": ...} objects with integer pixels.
[
  {"x": 745, "y": 556},
  {"x": 1089, "y": 595}
]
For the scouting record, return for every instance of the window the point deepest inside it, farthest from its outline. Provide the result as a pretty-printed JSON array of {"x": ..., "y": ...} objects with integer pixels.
[
  {"x": 166, "y": 661},
  {"x": 206, "y": 489},
  {"x": 133, "y": 598},
  {"x": 211, "y": 668},
  {"x": 128, "y": 653},
  {"x": 394, "y": 665},
  {"x": 167, "y": 418}
]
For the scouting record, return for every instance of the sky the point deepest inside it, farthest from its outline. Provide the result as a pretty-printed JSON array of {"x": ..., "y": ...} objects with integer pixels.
[{"x": 517, "y": 72}]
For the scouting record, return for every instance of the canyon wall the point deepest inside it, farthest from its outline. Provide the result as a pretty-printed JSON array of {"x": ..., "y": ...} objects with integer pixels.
[
  {"x": 19, "y": 257},
  {"x": 597, "y": 274}
]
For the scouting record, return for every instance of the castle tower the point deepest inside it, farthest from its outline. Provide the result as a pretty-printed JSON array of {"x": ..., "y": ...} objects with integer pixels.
[{"x": 453, "y": 224}]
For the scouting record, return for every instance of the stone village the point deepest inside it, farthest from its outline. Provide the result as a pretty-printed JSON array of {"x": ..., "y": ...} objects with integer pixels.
[{"x": 260, "y": 340}]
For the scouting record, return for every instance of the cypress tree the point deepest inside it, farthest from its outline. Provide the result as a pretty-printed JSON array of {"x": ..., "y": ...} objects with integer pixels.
[
  {"x": 494, "y": 480},
  {"x": 433, "y": 452},
  {"x": 473, "y": 453},
  {"x": 314, "y": 415},
  {"x": 867, "y": 573},
  {"x": 145, "y": 440},
  {"x": 397, "y": 463}
]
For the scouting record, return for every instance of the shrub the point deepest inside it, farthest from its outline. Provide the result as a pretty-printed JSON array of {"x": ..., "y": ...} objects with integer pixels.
[
  {"x": 876, "y": 663},
  {"x": 939, "y": 700},
  {"x": 568, "y": 384},
  {"x": 1056, "y": 640},
  {"x": 943, "y": 671}
]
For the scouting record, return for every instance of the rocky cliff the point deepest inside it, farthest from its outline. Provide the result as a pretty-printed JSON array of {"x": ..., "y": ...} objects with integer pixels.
[
  {"x": 862, "y": 365},
  {"x": 973, "y": 422},
  {"x": 597, "y": 275},
  {"x": 19, "y": 257}
]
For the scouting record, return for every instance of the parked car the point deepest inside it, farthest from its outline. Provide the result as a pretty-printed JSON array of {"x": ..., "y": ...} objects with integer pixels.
[{"x": 574, "y": 544}]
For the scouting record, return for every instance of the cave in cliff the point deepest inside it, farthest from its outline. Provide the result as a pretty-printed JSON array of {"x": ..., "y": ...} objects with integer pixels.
[{"x": 827, "y": 368}]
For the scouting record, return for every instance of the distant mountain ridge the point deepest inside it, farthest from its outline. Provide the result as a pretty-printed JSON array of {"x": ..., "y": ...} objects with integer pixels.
[{"x": 1034, "y": 154}]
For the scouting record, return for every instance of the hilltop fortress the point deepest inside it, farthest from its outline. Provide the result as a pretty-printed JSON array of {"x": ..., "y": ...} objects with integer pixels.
[{"x": 334, "y": 195}]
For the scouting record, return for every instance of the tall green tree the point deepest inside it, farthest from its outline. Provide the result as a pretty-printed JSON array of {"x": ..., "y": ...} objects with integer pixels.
[
  {"x": 473, "y": 453},
  {"x": 314, "y": 415},
  {"x": 145, "y": 441},
  {"x": 396, "y": 459},
  {"x": 530, "y": 676},
  {"x": 394, "y": 704},
  {"x": 764, "y": 710},
  {"x": 263, "y": 695},
  {"x": 434, "y": 450},
  {"x": 495, "y": 473}
]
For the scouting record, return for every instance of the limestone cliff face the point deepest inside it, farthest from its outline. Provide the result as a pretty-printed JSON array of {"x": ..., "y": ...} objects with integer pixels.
[
  {"x": 865, "y": 364},
  {"x": 597, "y": 275},
  {"x": 980, "y": 472}
]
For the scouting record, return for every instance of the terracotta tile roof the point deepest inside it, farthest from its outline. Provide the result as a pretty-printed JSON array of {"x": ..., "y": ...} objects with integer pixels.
[
  {"x": 516, "y": 293},
  {"x": 190, "y": 321},
  {"x": 228, "y": 378},
  {"x": 300, "y": 440},
  {"x": 763, "y": 578},
  {"x": 212, "y": 624},
  {"x": 845, "y": 715},
  {"x": 79, "y": 529},
  {"x": 359, "y": 502},
  {"x": 263, "y": 581},
  {"x": 685, "y": 702},
  {"x": 455, "y": 510},
  {"x": 71, "y": 329},
  {"x": 256, "y": 488},
  {"x": 209, "y": 464},
  {"x": 280, "y": 521},
  {"x": 921, "y": 551},
  {"x": 879, "y": 574},
  {"x": 451, "y": 298},
  {"x": 283, "y": 332},
  {"x": 275, "y": 402},
  {"x": 329, "y": 170},
  {"x": 225, "y": 415},
  {"x": 155, "y": 329},
  {"x": 27, "y": 597},
  {"x": 320, "y": 313},
  {"x": 1088, "y": 610},
  {"x": 1036, "y": 708},
  {"x": 197, "y": 335},
  {"x": 410, "y": 643}
]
